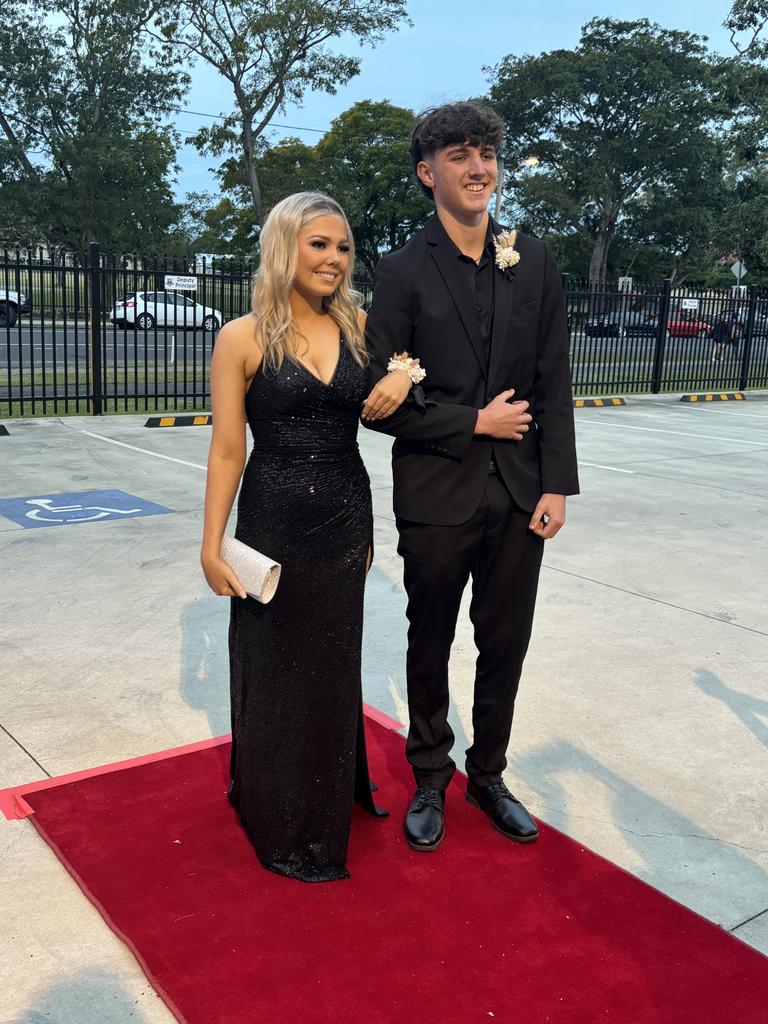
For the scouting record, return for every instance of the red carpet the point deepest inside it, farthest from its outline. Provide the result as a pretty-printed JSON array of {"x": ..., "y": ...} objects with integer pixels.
[{"x": 482, "y": 930}]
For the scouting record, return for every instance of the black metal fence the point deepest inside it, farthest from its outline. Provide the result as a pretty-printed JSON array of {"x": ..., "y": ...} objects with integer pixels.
[
  {"x": 667, "y": 338},
  {"x": 136, "y": 334}
]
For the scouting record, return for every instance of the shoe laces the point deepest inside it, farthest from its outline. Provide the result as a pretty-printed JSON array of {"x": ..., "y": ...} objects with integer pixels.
[
  {"x": 427, "y": 796},
  {"x": 498, "y": 790}
]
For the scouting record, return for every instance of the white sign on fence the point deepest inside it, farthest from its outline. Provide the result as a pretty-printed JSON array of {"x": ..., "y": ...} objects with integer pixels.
[
  {"x": 690, "y": 304},
  {"x": 180, "y": 283},
  {"x": 625, "y": 284}
]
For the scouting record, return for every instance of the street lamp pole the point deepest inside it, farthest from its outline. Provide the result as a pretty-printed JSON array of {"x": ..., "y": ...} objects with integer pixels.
[{"x": 499, "y": 186}]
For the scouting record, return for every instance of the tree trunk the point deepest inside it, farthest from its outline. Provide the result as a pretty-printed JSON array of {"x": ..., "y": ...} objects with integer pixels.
[
  {"x": 19, "y": 149},
  {"x": 83, "y": 246},
  {"x": 598, "y": 263},
  {"x": 250, "y": 169}
]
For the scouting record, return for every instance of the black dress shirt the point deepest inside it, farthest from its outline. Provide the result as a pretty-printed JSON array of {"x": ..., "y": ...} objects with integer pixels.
[{"x": 481, "y": 282}]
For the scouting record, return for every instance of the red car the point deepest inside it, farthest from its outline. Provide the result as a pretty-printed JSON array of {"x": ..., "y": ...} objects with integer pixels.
[{"x": 687, "y": 328}]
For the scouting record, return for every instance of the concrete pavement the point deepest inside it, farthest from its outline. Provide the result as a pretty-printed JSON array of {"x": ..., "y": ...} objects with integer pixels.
[{"x": 643, "y": 713}]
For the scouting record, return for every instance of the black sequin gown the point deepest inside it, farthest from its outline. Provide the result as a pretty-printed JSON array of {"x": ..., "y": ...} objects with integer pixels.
[{"x": 298, "y": 747}]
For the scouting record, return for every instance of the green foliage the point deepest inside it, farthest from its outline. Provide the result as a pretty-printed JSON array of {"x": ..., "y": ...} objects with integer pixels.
[
  {"x": 221, "y": 227},
  {"x": 747, "y": 22},
  {"x": 272, "y": 52},
  {"x": 85, "y": 92},
  {"x": 623, "y": 120},
  {"x": 362, "y": 161}
]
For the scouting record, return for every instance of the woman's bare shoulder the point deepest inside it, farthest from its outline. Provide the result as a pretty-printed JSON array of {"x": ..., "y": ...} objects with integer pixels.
[
  {"x": 237, "y": 339},
  {"x": 240, "y": 331},
  {"x": 362, "y": 316}
]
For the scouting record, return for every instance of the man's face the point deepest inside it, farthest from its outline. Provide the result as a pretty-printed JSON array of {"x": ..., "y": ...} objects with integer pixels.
[{"x": 462, "y": 178}]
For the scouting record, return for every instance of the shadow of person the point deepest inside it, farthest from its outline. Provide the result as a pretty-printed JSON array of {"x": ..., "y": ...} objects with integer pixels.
[
  {"x": 92, "y": 996},
  {"x": 204, "y": 659},
  {"x": 746, "y": 707},
  {"x": 204, "y": 656},
  {"x": 384, "y": 643},
  {"x": 674, "y": 853}
]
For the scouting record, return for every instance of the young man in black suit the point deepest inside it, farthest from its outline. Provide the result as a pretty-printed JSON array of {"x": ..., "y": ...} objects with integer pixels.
[{"x": 479, "y": 479}]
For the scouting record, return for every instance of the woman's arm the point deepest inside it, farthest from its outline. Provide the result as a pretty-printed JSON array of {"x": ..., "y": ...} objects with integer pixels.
[
  {"x": 232, "y": 356},
  {"x": 388, "y": 394}
]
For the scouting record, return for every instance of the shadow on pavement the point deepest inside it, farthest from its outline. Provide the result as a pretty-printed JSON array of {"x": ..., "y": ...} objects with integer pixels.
[
  {"x": 204, "y": 660},
  {"x": 703, "y": 868},
  {"x": 744, "y": 706},
  {"x": 88, "y": 997}
]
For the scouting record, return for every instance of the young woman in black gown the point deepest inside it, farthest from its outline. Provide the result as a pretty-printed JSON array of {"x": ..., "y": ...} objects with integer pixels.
[{"x": 295, "y": 370}]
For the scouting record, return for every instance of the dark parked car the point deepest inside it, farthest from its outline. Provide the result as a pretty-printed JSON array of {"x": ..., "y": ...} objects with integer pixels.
[{"x": 629, "y": 324}]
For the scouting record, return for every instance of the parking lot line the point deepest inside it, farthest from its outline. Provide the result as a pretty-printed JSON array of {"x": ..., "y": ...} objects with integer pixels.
[
  {"x": 144, "y": 451},
  {"x": 612, "y": 469},
  {"x": 736, "y": 414},
  {"x": 678, "y": 433}
]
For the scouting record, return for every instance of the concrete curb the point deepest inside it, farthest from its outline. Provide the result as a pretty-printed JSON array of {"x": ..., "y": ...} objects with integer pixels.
[
  {"x": 597, "y": 403},
  {"x": 714, "y": 396},
  {"x": 179, "y": 421}
]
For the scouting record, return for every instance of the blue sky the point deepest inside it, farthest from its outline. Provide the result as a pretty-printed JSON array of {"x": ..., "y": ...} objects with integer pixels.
[{"x": 441, "y": 58}]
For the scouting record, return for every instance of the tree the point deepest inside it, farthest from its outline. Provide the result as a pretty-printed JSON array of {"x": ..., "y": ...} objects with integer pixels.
[
  {"x": 747, "y": 22},
  {"x": 223, "y": 227},
  {"x": 272, "y": 52},
  {"x": 630, "y": 112},
  {"x": 84, "y": 93},
  {"x": 365, "y": 163}
]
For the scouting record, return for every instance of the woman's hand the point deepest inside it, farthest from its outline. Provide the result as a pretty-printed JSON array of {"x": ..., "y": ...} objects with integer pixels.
[
  {"x": 220, "y": 578},
  {"x": 387, "y": 396}
]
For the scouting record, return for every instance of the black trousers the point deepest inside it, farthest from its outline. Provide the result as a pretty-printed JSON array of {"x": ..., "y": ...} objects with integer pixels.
[{"x": 496, "y": 548}]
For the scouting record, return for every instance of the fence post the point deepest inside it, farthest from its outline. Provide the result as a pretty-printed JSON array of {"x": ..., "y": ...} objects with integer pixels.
[
  {"x": 94, "y": 267},
  {"x": 749, "y": 331},
  {"x": 661, "y": 336}
]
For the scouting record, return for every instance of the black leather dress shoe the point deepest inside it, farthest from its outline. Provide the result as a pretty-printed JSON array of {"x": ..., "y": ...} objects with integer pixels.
[
  {"x": 505, "y": 811},
  {"x": 424, "y": 823}
]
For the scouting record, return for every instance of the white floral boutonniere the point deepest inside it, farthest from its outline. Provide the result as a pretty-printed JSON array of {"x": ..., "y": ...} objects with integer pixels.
[{"x": 507, "y": 255}]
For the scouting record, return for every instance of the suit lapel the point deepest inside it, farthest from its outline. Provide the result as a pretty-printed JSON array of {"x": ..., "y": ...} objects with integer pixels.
[
  {"x": 444, "y": 255},
  {"x": 502, "y": 310}
]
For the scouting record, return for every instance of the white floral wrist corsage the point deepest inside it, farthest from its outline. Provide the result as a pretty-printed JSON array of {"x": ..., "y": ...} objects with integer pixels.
[{"x": 412, "y": 367}]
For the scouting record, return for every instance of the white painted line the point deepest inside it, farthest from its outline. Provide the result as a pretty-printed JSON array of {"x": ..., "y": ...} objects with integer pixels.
[
  {"x": 145, "y": 451},
  {"x": 613, "y": 469},
  {"x": 726, "y": 407},
  {"x": 679, "y": 433}
]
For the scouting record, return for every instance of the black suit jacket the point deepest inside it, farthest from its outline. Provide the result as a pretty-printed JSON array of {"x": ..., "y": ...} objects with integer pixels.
[{"x": 422, "y": 304}]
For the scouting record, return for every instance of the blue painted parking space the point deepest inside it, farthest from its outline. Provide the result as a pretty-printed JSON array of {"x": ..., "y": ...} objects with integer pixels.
[{"x": 77, "y": 507}]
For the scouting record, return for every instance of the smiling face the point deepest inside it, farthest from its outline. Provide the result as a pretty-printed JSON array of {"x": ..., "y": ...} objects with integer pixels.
[
  {"x": 323, "y": 257},
  {"x": 462, "y": 178}
]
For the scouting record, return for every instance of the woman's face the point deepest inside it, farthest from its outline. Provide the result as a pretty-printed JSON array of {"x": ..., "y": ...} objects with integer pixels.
[{"x": 324, "y": 254}]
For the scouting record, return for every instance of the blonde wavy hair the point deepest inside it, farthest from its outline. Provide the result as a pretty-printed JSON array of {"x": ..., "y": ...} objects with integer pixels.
[{"x": 270, "y": 297}]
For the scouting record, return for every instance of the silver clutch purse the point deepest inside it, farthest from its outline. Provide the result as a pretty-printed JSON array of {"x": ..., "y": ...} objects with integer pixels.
[{"x": 258, "y": 573}]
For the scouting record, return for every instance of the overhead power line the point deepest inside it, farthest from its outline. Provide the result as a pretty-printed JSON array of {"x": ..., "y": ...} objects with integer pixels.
[{"x": 270, "y": 124}]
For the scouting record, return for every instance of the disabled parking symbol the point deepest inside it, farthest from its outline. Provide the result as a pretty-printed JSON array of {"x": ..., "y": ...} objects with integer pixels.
[{"x": 78, "y": 507}]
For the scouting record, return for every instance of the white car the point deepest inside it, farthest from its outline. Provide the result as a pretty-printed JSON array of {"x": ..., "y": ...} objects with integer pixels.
[
  {"x": 11, "y": 304},
  {"x": 145, "y": 310}
]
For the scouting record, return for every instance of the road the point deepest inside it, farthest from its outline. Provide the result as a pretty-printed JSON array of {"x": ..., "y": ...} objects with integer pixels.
[{"x": 30, "y": 354}]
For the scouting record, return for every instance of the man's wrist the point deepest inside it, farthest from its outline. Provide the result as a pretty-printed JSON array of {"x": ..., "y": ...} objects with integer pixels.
[{"x": 480, "y": 423}]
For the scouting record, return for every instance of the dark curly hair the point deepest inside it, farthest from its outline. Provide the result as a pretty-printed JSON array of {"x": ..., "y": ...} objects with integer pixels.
[{"x": 470, "y": 121}]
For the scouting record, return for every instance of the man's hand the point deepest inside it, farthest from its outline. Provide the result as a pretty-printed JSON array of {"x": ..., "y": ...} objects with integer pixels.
[
  {"x": 548, "y": 516},
  {"x": 502, "y": 418}
]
